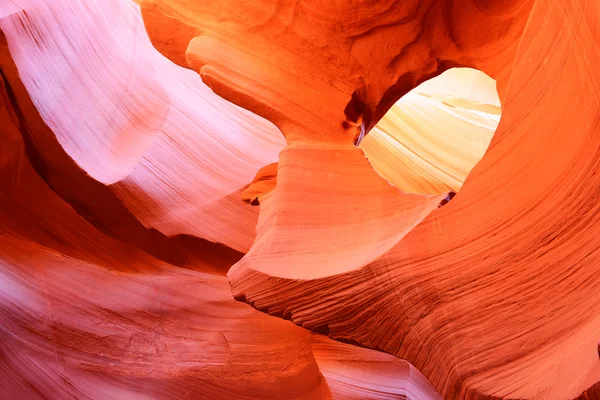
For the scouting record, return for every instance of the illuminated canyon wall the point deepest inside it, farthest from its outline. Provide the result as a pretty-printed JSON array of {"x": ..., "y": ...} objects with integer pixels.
[{"x": 299, "y": 199}]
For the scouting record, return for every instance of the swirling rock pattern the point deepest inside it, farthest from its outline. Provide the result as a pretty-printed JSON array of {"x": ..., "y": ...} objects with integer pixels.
[
  {"x": 175, "y": 154},
  {"x": 85, "y": 315},
  {"x": 360, "y": 57},
  {"x": 492, "y": 295},
  {"x": 311, "y": 183}
]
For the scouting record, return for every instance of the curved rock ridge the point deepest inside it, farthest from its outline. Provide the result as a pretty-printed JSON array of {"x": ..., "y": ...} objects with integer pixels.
[
  {"x": 491, "y": 296},
  {"x": 115, "y": 125},
  {"x": 177, "y": 155},
  {"x": 494, "y": 294},
  {"x": 343, "y": 209},
  {"x": 91, "y": 199},
  {"x": 360, "y": 59},
  {"x": 429, "y": 141},
  {"x": 76, "y": 330},
  {"x": 355, "y": 373},
  {"x": 282, "y": 139},
  {"x": 87, "y": 316}
]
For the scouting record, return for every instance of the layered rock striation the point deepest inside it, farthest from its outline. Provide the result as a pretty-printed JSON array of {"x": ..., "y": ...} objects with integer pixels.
[{"x": 161, "y": 159}]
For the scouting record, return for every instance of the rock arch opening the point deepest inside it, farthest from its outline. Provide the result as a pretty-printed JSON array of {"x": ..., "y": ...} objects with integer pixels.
[{"x": 431, "y": 139}]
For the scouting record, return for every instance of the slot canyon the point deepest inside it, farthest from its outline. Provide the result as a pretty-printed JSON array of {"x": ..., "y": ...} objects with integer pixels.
[{"x": 299, "y": 199}]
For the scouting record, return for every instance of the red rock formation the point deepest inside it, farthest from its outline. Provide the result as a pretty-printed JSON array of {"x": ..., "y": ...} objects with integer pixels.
[
  {"x": 91, "y": 199},
  {"x": 87, "y": 316},
  {"x": 492, "y": 295},
  {"x": 121, "y": 172},
  {"x": 148, "y": 127},
  {"x": 360, "y": 59}
]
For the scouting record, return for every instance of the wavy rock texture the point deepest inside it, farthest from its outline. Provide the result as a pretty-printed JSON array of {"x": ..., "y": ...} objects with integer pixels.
[
  {"x": 178, "y": 155},
  {"x": 360, "y": 62},
  {"x": 87, "y": 316},
  {"x": 92, "y": 200},
  {"x": 493, "y": 295},
  {"x": 429, "y": 141},
  {"x": 129, "y": 189}
]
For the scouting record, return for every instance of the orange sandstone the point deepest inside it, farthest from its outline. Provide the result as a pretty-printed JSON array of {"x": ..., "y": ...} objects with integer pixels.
[{"x": 317, "y": 181}]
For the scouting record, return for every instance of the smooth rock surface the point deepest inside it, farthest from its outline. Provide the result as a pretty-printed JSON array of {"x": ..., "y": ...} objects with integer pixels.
[{"x": 161, "y": 159}]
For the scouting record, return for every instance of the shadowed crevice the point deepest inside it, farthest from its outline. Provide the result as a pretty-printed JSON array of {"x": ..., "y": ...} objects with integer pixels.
[{"x": 92, "y": 200}]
